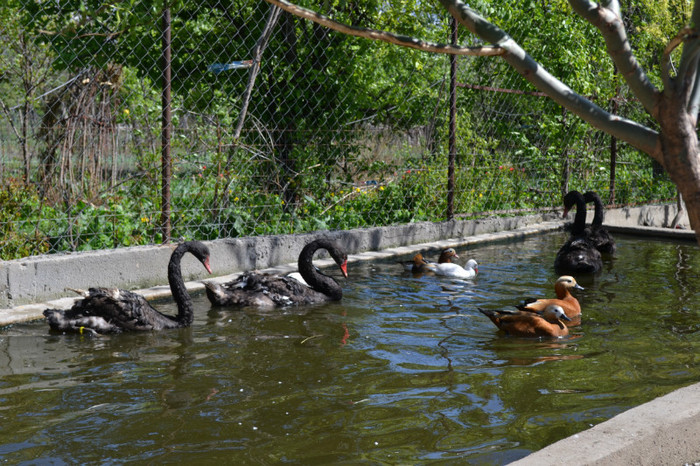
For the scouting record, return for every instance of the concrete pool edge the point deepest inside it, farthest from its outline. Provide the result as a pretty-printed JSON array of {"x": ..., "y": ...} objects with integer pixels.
[
  {"x": 665, "y": 430},
  {"x": 33, "y": 311}
]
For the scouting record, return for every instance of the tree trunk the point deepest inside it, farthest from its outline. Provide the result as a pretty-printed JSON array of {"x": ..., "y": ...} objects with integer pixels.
[{"x": 679, "y": 147}]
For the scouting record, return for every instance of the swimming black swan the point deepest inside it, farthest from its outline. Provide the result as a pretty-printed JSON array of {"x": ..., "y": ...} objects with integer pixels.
[
  {"x": 578, "y": 254},
  {"x": 600, "y": 236},
  {"x": 267, "y": 290},
  {"x": 111, "y": 310}
]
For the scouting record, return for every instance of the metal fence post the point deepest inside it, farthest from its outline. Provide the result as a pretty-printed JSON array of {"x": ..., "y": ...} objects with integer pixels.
[
  {"x": 166, "y": 122},
  {"x": 453, "y": 127}
]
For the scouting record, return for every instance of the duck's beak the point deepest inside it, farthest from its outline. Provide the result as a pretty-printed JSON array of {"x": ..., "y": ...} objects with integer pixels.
[
  {"x": 565, "y": 317},
  {"x": 344, "y": 268},
  {"x": 579, "y": 287}
]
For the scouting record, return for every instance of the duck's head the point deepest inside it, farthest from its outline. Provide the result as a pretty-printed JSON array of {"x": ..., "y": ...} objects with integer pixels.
[
  {"x": 568, "y": 282},
  {"x": 472, "y": 264},
  {"x": 554, "y": 312},
  {"x": 447, "y": 255}
]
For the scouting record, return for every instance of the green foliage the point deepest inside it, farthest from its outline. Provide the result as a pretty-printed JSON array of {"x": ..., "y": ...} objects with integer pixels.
[{"x": 319, "y": 149}]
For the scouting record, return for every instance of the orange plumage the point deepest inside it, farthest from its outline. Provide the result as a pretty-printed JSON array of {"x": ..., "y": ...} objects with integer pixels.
[
  {"x": 546, "y": 323},
  {"x": 564, "y": 299}
]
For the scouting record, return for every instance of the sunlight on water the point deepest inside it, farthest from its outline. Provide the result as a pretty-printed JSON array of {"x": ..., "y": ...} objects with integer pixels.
[{"x": 404, "y": 370}]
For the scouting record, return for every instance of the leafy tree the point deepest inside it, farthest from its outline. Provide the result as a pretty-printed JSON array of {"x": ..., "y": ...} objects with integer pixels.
[{"x": 672, "y": 100}]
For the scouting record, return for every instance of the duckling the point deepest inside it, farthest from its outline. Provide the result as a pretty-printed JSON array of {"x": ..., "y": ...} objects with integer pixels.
[
  {"x": 564, "y": 299},
  {"x": 545, "y": 323}
]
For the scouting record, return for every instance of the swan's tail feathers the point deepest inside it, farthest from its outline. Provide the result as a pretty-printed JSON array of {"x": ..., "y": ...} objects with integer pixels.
[{"x": 215, "y": 293}]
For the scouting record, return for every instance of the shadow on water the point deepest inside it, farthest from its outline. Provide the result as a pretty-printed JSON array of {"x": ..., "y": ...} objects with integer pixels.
[{"x": 403, "y": 370}]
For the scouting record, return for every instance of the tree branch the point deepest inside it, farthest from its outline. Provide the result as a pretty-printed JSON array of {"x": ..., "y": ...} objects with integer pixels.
[
  {"x": 693, "y": 106},
  {"x": 389, "y": 37},
  {"x": 639, "y": 136},
  {"x": 611, "y": 27},
  {"x": 687, "y": 78}
]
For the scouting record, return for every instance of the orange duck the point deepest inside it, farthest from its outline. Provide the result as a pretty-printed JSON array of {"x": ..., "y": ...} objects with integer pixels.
[
  {"x": 545, "y": 323},
  {"x": 418, "y": 265},
  {"x": 564, "y": 299}
]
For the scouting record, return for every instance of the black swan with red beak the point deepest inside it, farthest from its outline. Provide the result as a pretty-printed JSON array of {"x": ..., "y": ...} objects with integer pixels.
[
  {"x": 111, "y": 310},
  {"x": 269, "y": 291}
]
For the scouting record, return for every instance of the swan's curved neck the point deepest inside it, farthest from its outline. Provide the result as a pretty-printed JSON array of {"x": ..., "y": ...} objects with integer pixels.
[
  {"x": 185, "y": 316},
  {"x": 598, "y": 216},
  {"x": 580, "y": 218},
  {"x": 315, "y": 279}
]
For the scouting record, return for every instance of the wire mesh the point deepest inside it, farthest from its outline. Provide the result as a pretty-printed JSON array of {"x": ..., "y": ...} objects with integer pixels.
[{"x": 278, "y": 126}]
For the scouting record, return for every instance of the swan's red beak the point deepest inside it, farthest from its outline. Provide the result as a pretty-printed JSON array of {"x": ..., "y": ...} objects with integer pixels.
[
  {"x": 344, "y": 268},
  {"x": 206, "y": 265},
  {"x": 566, "y": 212}
]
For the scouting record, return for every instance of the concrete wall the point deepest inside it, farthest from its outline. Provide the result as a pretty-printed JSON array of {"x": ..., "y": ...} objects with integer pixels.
[{"x": 41, "y": 278}]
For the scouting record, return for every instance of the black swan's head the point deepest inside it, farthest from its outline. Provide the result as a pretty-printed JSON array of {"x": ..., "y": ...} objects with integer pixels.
[
  {"x": 572, "y": 198},
  {"x": 339, "y": 256},
  {"x": 198, "y": 250}
]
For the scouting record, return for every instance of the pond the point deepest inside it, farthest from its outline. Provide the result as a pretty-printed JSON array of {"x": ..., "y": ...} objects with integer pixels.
[{"x": 404, "y": 370}]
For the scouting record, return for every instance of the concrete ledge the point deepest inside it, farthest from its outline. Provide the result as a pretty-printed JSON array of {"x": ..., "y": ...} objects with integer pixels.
[
  {"x": 272, "y": 249},
  {"x": 663, "y": 431},
  {"x": 41, "y": 278},
  {"x": 654, "y": 232}
]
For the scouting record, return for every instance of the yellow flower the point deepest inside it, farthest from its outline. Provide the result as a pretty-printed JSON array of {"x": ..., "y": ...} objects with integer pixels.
[
  {"x": 144, "y": 219},
  {"x": 126, "y": 112},
  {"x": 381, "y": 188},
  {"x": 235, "y": 199}
]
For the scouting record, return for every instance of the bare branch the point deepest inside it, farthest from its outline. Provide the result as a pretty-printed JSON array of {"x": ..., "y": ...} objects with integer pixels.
[
  {"x": 666, "y": 63},
  {"x": 610, "y": 25},
  {"x": 404, "y": 41},
  {"x": 639, "y": 136}
]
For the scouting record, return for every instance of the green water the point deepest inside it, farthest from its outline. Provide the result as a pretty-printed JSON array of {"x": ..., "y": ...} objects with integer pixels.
[{"x": 405, "y": 370}]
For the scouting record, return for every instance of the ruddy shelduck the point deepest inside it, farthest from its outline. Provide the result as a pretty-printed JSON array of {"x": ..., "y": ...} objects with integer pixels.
[
  {"x": 546, "y": 323},
  {"x": 564, "y": 299},
  {"x": 418, "y": 265}
]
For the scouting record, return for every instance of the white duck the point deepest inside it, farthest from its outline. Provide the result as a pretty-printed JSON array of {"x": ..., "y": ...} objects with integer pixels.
[{"x": 449, "y": 269}]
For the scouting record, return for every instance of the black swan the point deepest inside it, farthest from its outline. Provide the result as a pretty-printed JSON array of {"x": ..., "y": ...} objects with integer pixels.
[
  {"x": 111, "y": 310},
  {"x": 578, "y": 254},
  {"x": 600, "y": 236},
  {"x": 267, "y": 290}
]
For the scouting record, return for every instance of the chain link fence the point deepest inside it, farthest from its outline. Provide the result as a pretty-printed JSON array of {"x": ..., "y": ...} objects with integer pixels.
[{"x": 264, "y": 123}]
